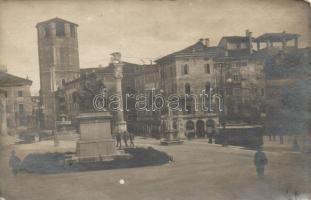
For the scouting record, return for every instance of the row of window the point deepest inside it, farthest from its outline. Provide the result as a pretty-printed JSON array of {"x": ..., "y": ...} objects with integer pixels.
[
  {"x": 188, "y": 88},
  {"x": 19, "y": 109},
  {"x": 19, "y": 93},
  {"x": 185, "y": 69},
  {"x": 234, "y": 91},
  {"x": 60, "y": 30}
]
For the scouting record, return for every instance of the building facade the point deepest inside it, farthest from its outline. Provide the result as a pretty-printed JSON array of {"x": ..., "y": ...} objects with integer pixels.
[
  {"x": 18, "y": 101},
  {"x": 147, "y": 83},
  {"x": 187, "y": 73},
  {"x": 240, "y": 79}
]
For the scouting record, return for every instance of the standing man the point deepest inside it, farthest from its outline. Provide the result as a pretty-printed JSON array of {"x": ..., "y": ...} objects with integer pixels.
[
  {"x": 131, "y": 139},
  {"x": 260, "y": 160},
  {"x": 119, "y": 139},
  {"x": 125, "y": 138},
  {"x": 14, "y": 163}
]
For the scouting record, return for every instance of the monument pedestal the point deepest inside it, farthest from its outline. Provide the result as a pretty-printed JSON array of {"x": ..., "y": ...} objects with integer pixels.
[
  {"x": 171, "y": 137},
  {"x": 96, "y": 143}
]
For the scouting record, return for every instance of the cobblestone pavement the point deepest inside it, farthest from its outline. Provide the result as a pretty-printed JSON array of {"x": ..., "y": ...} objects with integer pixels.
[{"x": 199, "y": 171}]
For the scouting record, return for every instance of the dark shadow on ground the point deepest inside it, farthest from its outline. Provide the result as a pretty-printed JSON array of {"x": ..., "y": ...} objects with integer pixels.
[{"x": 51, "y": 163}]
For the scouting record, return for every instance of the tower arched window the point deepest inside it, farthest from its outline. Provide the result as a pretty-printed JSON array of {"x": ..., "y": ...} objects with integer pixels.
[
  {"x": 187, "y": 88},
  {"x": 60, "y": 29},
  {"x": 46, "y": 32},
  {"x": 207, "y": 68},
  {"x": 72, "y": 31}
]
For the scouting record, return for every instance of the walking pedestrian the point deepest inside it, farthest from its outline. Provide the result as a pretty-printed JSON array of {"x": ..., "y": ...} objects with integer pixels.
[
  {"x": 132, "y": 137},
  {"x": 119, "y": 139},
  {"x": 125, "y": 138},
  {"x": 260, "y": 160}
]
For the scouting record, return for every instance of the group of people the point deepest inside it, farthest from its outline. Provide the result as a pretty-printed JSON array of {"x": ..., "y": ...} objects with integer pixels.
[{"x": 126, "y": 136}]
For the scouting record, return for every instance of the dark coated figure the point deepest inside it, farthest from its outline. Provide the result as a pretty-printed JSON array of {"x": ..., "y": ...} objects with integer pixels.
[
  {"x": 14, "y": 163},
  {"x": 132, "y": 137},
  {"x": 119, "y": 139},
  {"x": 260, "y": 160},
  {"x": 125, "y": 138}
]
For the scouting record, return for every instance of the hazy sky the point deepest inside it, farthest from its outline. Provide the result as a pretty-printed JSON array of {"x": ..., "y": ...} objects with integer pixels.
[{"x": 140, "y": 29}]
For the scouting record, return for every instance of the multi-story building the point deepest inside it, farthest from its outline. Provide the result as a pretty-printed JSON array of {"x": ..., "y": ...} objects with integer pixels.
[
  {"x": 187, "y": 73},
  {"x": 240, "y": 79},
  {"x": 18, "y": 101},
  {"x": 285, "y": 64},
  {"x": 147, "y": 83},
  {"x": 58, "y": 61}
]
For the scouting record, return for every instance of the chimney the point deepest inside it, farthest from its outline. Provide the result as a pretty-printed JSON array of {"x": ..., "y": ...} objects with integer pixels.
[
  {"x": 3, "y": 68},
  {"x": 248, "y": 34},
  {"x": 206, "y": 42}
]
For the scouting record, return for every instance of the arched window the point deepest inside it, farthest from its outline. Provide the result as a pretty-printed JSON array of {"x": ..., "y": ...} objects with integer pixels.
[
  {"x": 72, "y": 31},
  {"x": 187, "y": 88},
  {"x": 63, "y": 82},
  {"x": 207, "y": 69},
  {"x": 185, "y": 69},
  {"x": 60, "y": 29},
  {"x": 189, "y": 125},
  {"x": 46, "y": 32},
  {"x": 207, "y": 87}
]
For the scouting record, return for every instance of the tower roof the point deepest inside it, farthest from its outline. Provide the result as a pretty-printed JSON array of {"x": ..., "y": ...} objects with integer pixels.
[{"x": 56, "y": 19}]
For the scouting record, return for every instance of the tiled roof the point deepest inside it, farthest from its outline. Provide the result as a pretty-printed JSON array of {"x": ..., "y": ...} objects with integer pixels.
[
  {"x": 128, "y": 68},
  {"x": 276, "y": 37},
  {"x": 196, "y": 49},
  {"x": 11, "y": 80}
]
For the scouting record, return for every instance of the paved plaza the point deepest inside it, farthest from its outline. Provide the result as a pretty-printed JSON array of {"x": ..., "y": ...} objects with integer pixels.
[{"x": 199, "y": 171}]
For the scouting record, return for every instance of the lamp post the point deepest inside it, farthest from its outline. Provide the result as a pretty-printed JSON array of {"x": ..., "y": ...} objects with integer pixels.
[{"x": 222, "y": 117}]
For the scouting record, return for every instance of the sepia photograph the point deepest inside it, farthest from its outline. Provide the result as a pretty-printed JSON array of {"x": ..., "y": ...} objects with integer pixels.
[{"x": 155, "y": 100}]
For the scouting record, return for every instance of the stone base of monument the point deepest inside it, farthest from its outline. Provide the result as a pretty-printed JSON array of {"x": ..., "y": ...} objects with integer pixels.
[
  {"x": 95, "y": 143},
  {"x": 170, "y": 138}
]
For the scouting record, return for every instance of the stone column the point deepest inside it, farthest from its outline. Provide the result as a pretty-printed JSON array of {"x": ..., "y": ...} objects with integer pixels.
[{"x": 118, "y": 74}]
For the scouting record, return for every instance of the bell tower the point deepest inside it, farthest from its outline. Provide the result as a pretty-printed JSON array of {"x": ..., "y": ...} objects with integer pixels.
[{"x": 58, "y": 61}]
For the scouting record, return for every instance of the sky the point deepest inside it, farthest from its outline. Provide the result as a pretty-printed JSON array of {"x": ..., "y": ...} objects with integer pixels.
[{"x": 141, "y": 30}]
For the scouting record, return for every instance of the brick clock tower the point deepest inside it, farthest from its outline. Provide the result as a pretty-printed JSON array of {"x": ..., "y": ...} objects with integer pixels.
[{"x": 58, "y": 61}]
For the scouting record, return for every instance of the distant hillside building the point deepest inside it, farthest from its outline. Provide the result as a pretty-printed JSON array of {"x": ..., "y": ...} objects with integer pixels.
[
  {"x": 18, "y": 101},
  {"x": 58, "y": 60}
]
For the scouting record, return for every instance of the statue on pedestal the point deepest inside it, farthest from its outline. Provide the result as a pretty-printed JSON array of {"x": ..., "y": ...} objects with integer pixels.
[
  {"x": 170, "y": 132},
  {"x": 85, "y": 95}
]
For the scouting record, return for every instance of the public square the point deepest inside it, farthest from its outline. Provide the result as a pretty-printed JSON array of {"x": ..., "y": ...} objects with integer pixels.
[{"x": 199, "y": 171}]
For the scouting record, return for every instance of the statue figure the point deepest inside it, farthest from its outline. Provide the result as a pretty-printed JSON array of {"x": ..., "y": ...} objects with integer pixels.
[
  {"x": 60, "y": 101},
  {"x": 85, "y": 95},
  {"x": 116, "y": 57}
]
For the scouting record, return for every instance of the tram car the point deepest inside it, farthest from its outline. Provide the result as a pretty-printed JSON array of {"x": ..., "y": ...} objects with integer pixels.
[{"x": 240, "y": 135}]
